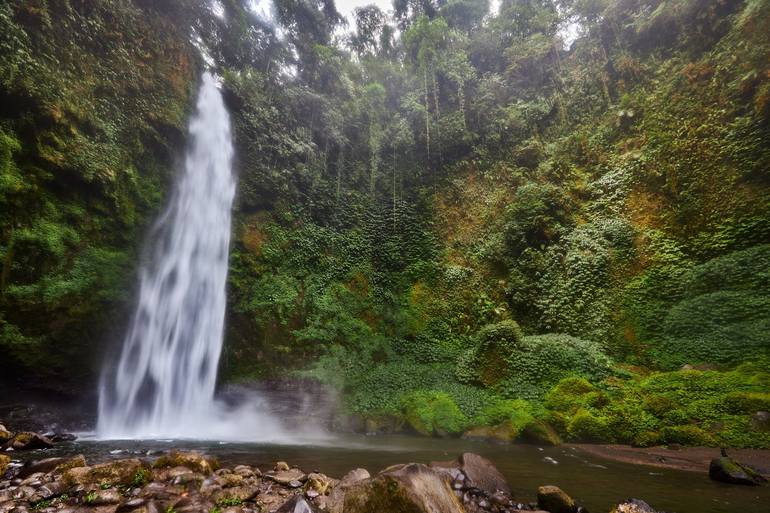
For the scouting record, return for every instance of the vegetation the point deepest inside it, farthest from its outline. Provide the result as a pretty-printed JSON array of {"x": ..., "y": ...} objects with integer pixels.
[{"x": 553, "y": 216}]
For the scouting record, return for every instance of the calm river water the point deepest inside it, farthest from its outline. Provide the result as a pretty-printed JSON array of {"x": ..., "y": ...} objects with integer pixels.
[{"x": 594, "y": 482}]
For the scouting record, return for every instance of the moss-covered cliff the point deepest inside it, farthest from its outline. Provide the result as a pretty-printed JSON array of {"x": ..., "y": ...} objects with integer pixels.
[{"x": 463, "y": 224}]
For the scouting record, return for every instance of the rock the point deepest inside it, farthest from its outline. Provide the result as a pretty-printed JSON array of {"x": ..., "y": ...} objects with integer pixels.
[
  {"x": 633, "y": 506},
  {"x": 297, "y": 504},
  {"x": 238, "y": 493},
  {"x": 727, "y": 470},
  {"x": 229, "y": 480},
  {"x": 103, "y": 497},
  {"x": 281, "y": 466},
  {"x": 191, "y": 459},
  {"x": 57, "y": 437},
  {"x": 554, "y": 500},
  {"x": 27, "y": 441},
  {"x": 481, "y": 473},
  {"x": 285, "y": 477},
  {"x": 319, "y": 483},
  {"x": 414, "y": 487},
  {"x": 51, "y": 464},
  {"x": 5, "y": 461},
  {"x": 5, "y": 435},
  {"x": 120, "y": 472},
  {"x": 761, "y": 421},
  {"x": 131, "y": 505},
  {"x": 337, "y": 496}
]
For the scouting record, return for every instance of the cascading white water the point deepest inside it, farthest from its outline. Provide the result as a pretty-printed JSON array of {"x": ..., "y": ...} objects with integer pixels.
[{"x": 164, "y": 380}]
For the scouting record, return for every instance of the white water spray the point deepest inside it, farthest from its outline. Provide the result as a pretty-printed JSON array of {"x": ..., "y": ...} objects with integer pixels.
[{"x": 163, "y": 384}]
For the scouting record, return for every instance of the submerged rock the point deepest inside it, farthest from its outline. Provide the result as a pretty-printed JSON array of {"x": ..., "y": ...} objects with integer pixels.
[
  {"x": 728, "y": 470},
  {"x": 414, "y": 487},
  {"x": 554, "y": 500}
]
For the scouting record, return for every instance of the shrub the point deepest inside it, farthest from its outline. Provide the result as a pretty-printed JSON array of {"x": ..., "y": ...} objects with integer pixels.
[
  {"x": 433, "y": 413},
  {"x": 747, "y": 402},
  {"x": 589, "y": 427},
  {"x": 687, "y": 435},
  {"x": 496, "y": 345},
  {"x": 570, "y": 394},
  {"x": 517, "y": 411}
]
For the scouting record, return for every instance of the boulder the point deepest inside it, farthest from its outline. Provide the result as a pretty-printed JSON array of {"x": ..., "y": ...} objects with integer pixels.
[
  {"x": 482, "y": 474},
  {"x": 321, "y": 484},
  {"x": 5, "y": 460},
  {"x": 27, "y": 441},
  {"x": 121, "y": 472},
  {"x": 297, "y": 504},
  {"x": 103, "y": 497},
  {"x": 51, "y": 464},
  {"x": 728, "y": 470},
  {"x": 554, "y": 500},
  {"x": 193, "y": 460},
  {"x": 5, "y": 435},
  {"x": 337, "y": 496},
  {"x": 287, "y": 477},
  {"x": 633, "y": 506},
  {"x": 413, "y": 488},
  {"x": 237, "y": 493},
  {"x": 280, "y": 466}
]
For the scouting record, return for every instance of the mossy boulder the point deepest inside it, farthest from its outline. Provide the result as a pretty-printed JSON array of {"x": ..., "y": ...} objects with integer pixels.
[
  {"x": 27, "y": 441},
  {"x": 412, "y": 488},
  {"x": 4, "y": 462},
  {"x": 541, "y": 433},
  {"x": 554, "y": 500},
  {"x": 195, "y": 461},
  {"x": 5, "y": 435},
  {"x": 727, "y": 470},
  {"x": 121, "y": 472}
]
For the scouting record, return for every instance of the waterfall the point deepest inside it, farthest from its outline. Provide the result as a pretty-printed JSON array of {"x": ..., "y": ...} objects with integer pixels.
[{"x": 163, "y": 384}]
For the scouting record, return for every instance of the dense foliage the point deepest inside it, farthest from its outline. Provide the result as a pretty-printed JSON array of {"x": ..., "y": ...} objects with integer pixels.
[{"x": 460, "y": 220}]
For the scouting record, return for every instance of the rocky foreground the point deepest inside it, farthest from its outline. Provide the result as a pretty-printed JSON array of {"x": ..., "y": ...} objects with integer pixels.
[{"x": 190, "y": 482}]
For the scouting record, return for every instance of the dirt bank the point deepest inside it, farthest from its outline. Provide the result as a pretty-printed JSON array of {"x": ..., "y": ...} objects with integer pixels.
[{"x": 695, "y": 459}]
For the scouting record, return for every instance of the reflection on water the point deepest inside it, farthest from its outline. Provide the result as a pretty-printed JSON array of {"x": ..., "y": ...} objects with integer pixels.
[{"x": 594, "y": 482}]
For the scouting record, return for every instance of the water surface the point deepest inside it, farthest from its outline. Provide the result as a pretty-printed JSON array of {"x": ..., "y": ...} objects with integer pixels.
[{"x": 594, "y": 482}]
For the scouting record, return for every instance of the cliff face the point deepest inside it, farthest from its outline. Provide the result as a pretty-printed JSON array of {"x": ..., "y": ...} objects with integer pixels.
[
  {"x": 94, "y": 99},
  {"x": 455, "y": 226}
]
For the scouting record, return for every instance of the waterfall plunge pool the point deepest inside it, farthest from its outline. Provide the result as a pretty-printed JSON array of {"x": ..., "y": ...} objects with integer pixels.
[{"x": 595, "y": 482}]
